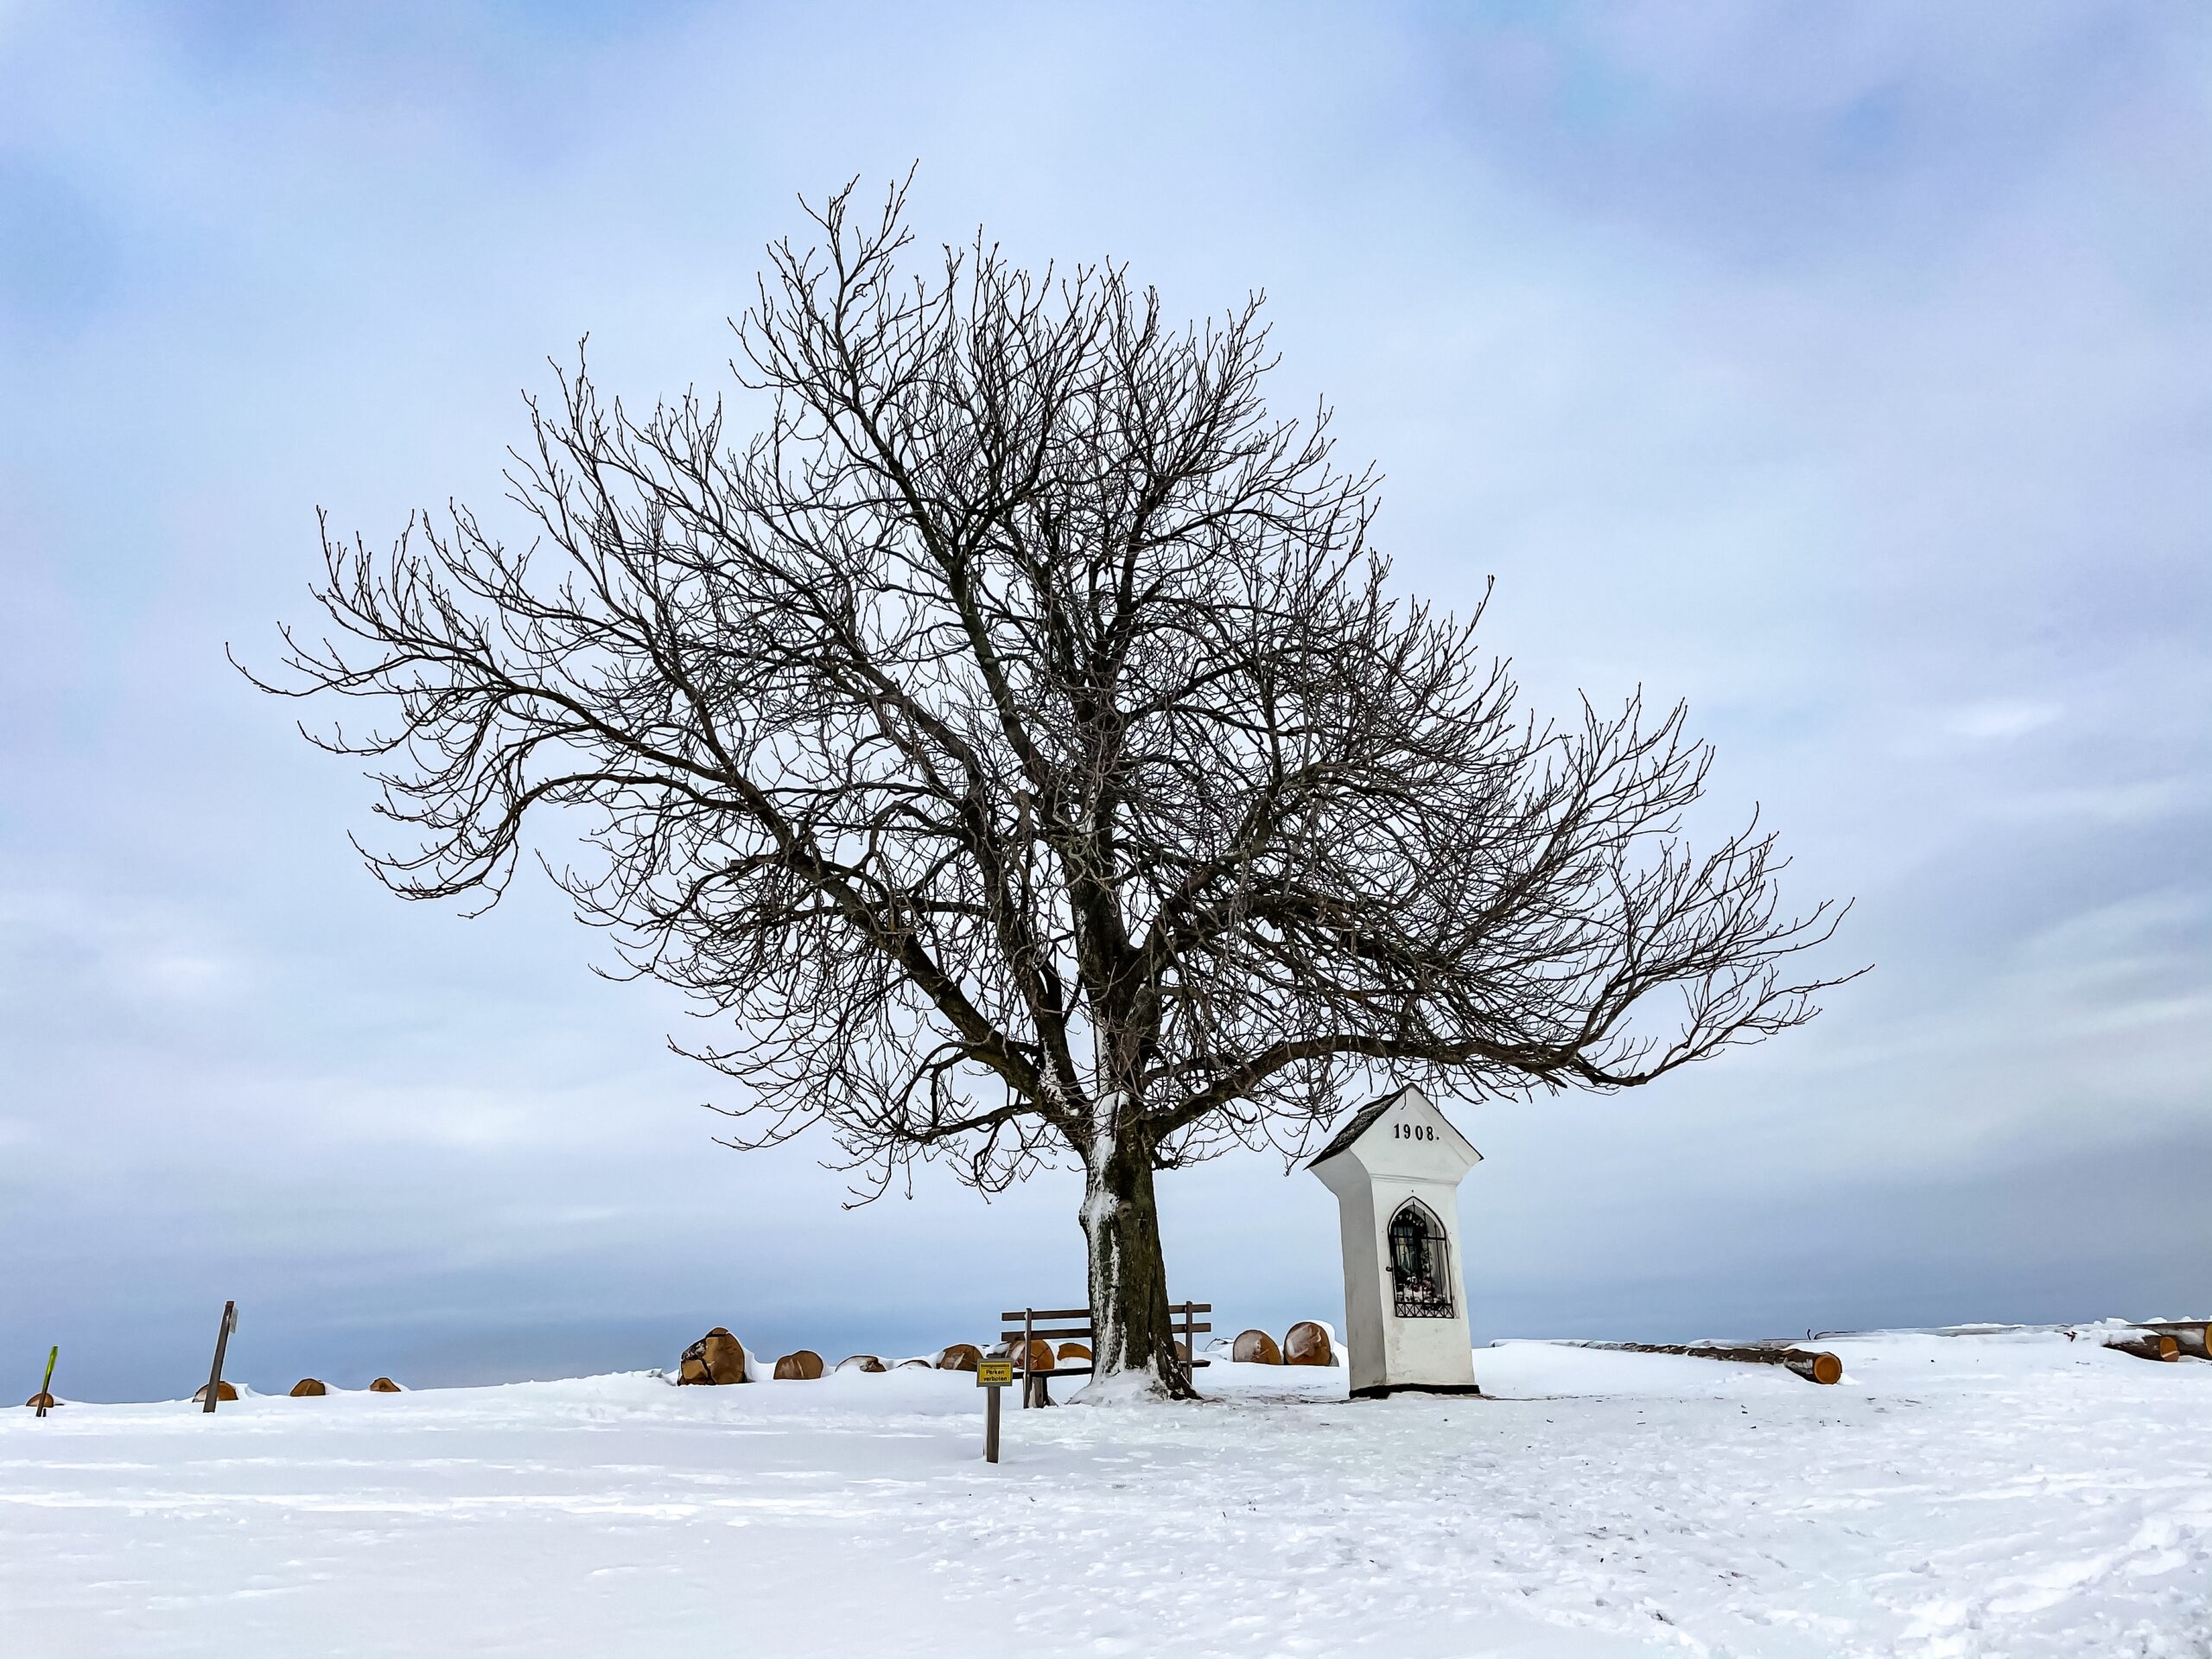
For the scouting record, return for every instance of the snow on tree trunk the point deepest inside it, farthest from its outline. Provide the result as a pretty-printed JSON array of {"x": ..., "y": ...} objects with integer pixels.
[{"x": 1128, "y": 1276}]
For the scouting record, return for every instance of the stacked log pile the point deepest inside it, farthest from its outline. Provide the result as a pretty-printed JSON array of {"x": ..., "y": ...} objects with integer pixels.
[
  {"x": 1307, "y": 1342},
  {"x": 716, "y": 1359},
  {"x": 2192, "y": 1337},
  {"x": 2161, "y": 1340},
  {"x": 2144, "y": 1344},
  {"x": 1815, "y": 1366}
]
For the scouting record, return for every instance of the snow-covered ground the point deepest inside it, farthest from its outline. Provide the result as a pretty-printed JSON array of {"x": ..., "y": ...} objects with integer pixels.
[{"x": 2013, "y": 1495}]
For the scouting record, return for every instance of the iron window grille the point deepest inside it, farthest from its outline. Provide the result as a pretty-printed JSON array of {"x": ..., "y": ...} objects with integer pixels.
[{"x": 1420, "y": 1281}]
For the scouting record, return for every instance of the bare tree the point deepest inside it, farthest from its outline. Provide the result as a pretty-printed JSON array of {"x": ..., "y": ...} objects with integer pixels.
[{"x": 1016, "y": 739}]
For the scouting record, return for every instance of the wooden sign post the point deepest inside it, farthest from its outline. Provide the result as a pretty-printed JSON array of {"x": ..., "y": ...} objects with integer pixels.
[
  {"x": 992, "y": 1374},
  {"x": 222, "y": 1341}
]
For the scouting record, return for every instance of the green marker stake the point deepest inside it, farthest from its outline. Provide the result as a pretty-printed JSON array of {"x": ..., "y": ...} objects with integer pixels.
[{"x": 46, "y": 1387}]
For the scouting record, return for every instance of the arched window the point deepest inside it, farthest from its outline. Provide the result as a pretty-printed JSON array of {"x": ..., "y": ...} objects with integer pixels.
[{"x": 1420, "y": 1268}]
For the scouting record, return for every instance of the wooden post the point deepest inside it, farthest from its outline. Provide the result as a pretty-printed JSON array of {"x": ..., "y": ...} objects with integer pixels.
[
  {"x": 991, "y": 1375},
  {"x": 1028, "y": 1336},
  {"x": 222, "y": 1341}
]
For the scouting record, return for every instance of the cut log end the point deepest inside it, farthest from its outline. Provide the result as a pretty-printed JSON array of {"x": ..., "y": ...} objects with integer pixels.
[
  {"x": 307, "y": 1388},
  {"x": 1308, "y": 1343},
  {"x": 1822, "y": 1368},
  {"x": 223, "y": 1394},
  {"x": 383, "y": 1385},
  {"x": 49, "y": 1401},
  {"x": 1256, "y": 1348},
  {"x": 960, "y": 1357},
  {"x": 717, "y": 1358},
  {"x": 1038, "y": 1356},
  {"x": 805, "y": 1366}
]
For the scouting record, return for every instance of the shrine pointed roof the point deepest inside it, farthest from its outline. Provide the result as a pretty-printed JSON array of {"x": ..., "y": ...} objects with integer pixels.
[
  {"x": 1367, "y": 1116},
  {"x": 1356, "y": 1125}
]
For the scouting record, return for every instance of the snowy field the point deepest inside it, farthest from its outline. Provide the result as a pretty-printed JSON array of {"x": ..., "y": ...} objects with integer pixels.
[{"x": 2016, "y": 1496}]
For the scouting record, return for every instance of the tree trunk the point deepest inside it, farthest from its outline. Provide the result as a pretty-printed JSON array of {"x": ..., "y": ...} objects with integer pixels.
[{"x": 1128, "y": 1276}]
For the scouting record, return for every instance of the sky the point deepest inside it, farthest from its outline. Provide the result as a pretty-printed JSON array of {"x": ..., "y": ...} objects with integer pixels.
[{"x": 1845, "y": 370}]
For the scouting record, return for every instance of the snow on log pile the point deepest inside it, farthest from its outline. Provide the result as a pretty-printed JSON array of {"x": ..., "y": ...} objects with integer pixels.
[{"x": 2014, "y": 1493}]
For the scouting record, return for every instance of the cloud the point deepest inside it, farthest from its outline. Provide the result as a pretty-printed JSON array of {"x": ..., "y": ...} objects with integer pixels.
[
  {"x": 1999, "y": 719},
  {"x": 57, "y": 258}
]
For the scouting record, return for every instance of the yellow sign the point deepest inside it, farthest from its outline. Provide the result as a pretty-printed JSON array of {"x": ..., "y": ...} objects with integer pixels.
[{"x": 993, "y": 1373}]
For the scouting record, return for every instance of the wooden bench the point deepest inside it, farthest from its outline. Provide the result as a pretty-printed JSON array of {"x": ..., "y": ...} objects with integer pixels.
[{"x": 1051, "y": 1325}]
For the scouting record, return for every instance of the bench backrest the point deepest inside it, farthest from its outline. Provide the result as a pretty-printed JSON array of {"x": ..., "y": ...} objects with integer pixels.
[{"x": 1050, "y": 1324}]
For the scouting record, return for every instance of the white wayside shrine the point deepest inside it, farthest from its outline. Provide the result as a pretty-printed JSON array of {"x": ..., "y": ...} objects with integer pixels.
[{"x": 1396, "y": 1169}]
